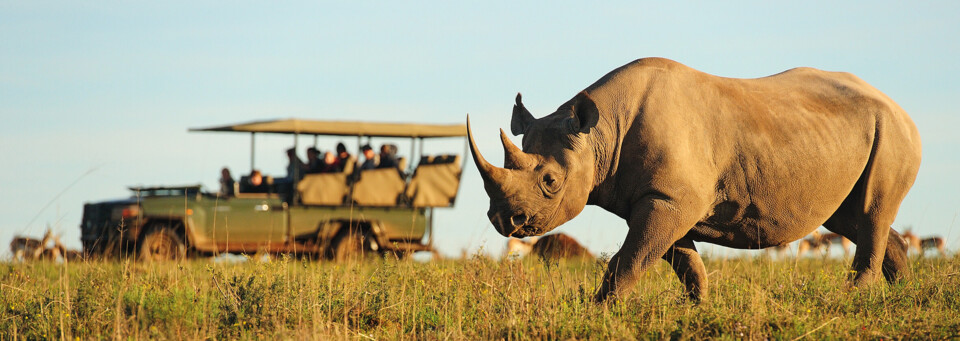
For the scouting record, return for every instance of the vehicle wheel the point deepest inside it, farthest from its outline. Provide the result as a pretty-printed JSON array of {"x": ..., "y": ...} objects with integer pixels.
[
  {"x": 353, "y": 244},
  {"x": 161, "y": 244},
  {"x": 397, "y": 254}
]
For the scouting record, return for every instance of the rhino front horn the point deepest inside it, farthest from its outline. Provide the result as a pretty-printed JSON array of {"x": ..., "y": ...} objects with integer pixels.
[{"x": 487, "y": 171}]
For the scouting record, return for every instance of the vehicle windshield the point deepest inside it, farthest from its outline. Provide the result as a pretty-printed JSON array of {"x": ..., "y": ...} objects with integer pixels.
[{"x": 166, "y": 191}]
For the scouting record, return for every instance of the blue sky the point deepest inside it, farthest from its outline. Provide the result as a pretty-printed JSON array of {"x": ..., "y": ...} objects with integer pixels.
[{"x": 113, "y": 86}]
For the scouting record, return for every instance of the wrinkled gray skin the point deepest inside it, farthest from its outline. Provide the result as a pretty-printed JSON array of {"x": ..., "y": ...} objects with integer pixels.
[{"x": 684, "y": 156}]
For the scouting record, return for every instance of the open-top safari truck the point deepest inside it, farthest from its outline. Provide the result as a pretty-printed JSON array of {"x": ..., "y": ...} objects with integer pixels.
[{"x": 335, "y": 215}]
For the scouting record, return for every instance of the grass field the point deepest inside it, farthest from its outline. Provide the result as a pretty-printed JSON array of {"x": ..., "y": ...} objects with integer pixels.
[{"x": 477, "y": 298}]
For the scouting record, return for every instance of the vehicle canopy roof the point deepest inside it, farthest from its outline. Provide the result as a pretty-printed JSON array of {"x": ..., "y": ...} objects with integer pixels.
[{"x": 345, "y": 128}]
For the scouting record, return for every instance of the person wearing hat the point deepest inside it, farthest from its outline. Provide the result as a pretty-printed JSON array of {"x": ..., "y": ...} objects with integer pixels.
[
  {"x": 370, "y": 156},
  {"x": 313, "y": 160},
  {"x": 342, "y": 156}
]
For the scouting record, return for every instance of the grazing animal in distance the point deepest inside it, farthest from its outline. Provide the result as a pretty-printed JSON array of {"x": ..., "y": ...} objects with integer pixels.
[
  {"x": 913, "y": 242},
  {"x": 932, "y": 243},
  {"x": 830, "y": 239},
  {"x": 815, "y": 242},
  {"x": 559, "y": 246},
  {"x": 25, "y": 248},
  {"x": 29, "y": 249},
  {"x": 685, "y": 156},
  {"x": 811, "y": 244},
  {"x": 922, "y": 244},
  {"x": 548, "y": 247},
  {"x": 517, "y": 247},
  {"x": 779, "y": 250}
]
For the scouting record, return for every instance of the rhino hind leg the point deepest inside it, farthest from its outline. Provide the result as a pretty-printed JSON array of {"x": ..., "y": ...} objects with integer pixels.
[
  {"x": 688, "y": 265},
  {"x": 894, "y": 265},
  {"x": 865, "y": 217}
]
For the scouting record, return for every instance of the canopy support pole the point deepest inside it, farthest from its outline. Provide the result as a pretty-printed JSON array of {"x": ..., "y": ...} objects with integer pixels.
[
  {"x": 466, "y": 147},
  {"x": 430, "y": 227},
  {"x": 359, "y": 149},
  {"x": 413, "y": 150},
  {"x": 296, "y": 171},
  {"x": 466, "y": 151},
  {"x": 421, "y": 149},
  {"x": 357, "y": 163},
  {"x": 252, "y": 147}
]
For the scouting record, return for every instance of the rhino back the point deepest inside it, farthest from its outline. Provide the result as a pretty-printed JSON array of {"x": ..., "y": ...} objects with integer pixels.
[{"x": 774, "y": 157}]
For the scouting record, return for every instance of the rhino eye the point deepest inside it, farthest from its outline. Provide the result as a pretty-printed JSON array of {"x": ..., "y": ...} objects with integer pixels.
[{"x": 550, "y": 183}]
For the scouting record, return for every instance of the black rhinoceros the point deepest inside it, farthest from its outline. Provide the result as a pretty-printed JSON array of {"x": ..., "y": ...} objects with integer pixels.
[{"x": 685, "y": 156}]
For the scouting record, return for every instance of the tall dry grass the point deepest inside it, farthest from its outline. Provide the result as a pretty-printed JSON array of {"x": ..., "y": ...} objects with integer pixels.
[{"x": 477, "y": 298}]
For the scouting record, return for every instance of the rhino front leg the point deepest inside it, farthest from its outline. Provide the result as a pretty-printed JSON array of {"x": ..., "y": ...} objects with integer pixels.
[
  {"x": 686, "y": 262},
  {"x": 652, "y": 231}
]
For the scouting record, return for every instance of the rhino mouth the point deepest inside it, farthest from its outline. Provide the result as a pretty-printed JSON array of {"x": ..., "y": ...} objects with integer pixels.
[
  {"x": 525, "y": 231},
  {"x": 538, "y": 224}
]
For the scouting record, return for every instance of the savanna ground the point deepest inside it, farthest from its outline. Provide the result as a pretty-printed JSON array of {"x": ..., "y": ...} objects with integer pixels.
[{"x": 476, "y": 298}]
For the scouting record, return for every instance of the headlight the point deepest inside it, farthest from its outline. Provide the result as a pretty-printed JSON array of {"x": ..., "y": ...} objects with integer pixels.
[{"x": 126, "y": 212}]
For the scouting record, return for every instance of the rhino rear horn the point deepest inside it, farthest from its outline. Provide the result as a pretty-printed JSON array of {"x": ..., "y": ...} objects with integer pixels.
[
  {"x": 513, "y": 156},
  {"x": 521, "y": 118}
]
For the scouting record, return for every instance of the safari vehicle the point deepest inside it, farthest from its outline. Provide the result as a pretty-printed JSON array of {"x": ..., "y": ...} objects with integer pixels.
[{"x": 333, "y": 215}]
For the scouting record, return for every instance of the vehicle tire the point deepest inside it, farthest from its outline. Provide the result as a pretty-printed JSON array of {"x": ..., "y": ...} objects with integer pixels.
[
  {"x": 352, "y": 244},
  {"x": 160, "y": 244},
  {"x": 397, "y": 254}
]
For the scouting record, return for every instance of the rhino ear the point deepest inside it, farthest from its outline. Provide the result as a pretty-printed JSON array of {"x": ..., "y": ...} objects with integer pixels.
[
  {"x": 522, "y": 119},
  {"x": 586, "y": 113}
]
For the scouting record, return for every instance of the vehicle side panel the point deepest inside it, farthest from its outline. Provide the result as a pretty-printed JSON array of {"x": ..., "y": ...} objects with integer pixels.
[
  {"x": 238, "y": 224},
  {"x": 407, "y": 224}
]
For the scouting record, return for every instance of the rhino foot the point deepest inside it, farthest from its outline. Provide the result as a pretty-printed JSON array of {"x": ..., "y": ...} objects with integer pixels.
[{"x": 896, "y": 266}]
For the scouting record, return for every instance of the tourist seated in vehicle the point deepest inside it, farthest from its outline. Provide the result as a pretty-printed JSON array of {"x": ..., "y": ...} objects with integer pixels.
[
  {"x": 388, "y": 156},
  {"x": 295, "y": 166},
  {"x": 370, "y": 158},
  {"x": 342, "y": 156},
  {"x": 226, "y": 183},
  {"x": 313, "y": 161},
  {"x": 295, "y": 171},
  {"x": 330, "y": 163},
  {"x": 255, "y": 183}
]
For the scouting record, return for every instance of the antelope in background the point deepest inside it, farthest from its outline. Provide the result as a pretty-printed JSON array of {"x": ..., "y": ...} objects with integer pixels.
[
  {"x": 29, "y": 249},
  {"x": 518, "y": 247},
  {"x": 922, "y": 244},
  {"x": 830, "y": 239},
  {"x": 819, "y": 243}
]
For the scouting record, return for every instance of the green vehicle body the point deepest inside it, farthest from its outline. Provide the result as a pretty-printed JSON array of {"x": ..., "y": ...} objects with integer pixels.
[
  {"x": 206, "y": 224},
  {"x": 168, "y": 222}
]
